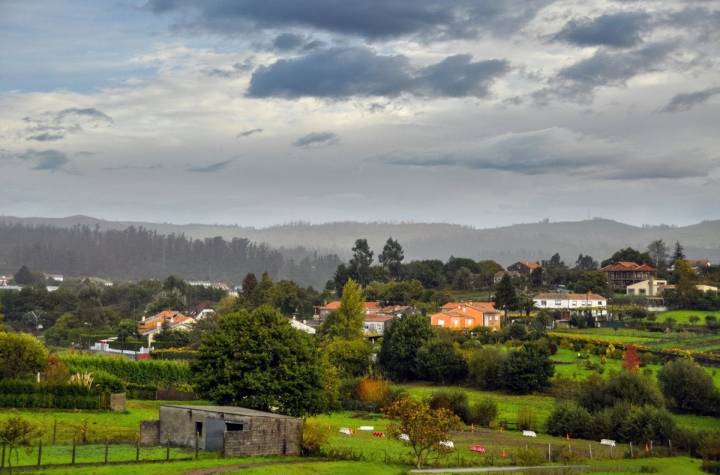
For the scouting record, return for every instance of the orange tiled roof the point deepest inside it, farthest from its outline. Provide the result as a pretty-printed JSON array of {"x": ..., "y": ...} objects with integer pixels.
[
  {"x": 335, "y": 304},
  {"x": 627, "y": 266},
  {"x": 173, "y": 317}
]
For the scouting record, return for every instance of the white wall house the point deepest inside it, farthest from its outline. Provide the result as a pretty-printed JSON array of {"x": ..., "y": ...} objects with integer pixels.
[
  {"x": 647, "y": 288},
  {"x": 570, "y": 302}
]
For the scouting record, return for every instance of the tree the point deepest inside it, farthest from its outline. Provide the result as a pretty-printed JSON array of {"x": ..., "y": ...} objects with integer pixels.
[
  {"x": 425, "y": 428},
  {"x": 485, "y": 368},
  {"x": 463, "y": 279},
  {"x": 350, "y": 357},
  {"x": 361, "y": 261},
  {"x": 631, "y": 360},
  {"x": 659, "y": 254},
  {"x": 536, "y": 277},
  {"x": 585, "y": 263},
  {"x": 256, "y": 359},
  {"x": 505, "y": 295},
  {"x": 347, "y": 321},
  {"x": 688, "y": 387},
  {"x": 391, "y": 258},
  {"x": 15, "y": 432},
  {"x": 628, "y": 254},
  {"x": 24, "y": 277},
  {"x": 400, "y": 346},
  {"x": 678, "y": 254},
  {"x": 249, "y": 290},
  {"x": 439, "y": 361},
  {"x": 527, "y": 369},
  {"x": 21, "y": 356}
]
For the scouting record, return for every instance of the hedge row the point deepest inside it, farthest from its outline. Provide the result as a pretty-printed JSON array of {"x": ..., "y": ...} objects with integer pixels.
[
  {"x": 149, "y": 372},
  {"x": 33, "y": 395},
  {"x": 175, "y": 354}
]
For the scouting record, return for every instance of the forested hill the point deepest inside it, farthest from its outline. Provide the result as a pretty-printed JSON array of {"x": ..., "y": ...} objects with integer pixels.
[
  {"x": 137, "y": 252},
  {"x": 597, "y": 237}
]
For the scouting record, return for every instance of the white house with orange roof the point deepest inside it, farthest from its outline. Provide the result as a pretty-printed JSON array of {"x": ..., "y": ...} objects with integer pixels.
[
  {"x": 174, "y": 320},
  {"x": 467, "y": 315}
]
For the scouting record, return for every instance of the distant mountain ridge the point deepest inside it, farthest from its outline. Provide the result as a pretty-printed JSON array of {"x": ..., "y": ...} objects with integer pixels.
[{"x": 597, "y": 237}]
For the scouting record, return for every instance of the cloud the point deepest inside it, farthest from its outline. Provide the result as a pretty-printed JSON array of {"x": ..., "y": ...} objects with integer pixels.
[
  {"x": 606, "y": 68},
  {"x": 371, "y": 19},
  {"x": 617, "y": 30},
  {"x": 555, "y": 151},
  {"x": 234, "y": 71},
  {"x": 248, "y": 133},
  {"x": 688, "y": 100},
  {"x": 210, "y": 168},
  {"x": 357, "y": 71},
  {"x": 51, "y": 160},
  {"x": 317, "y": 139},
  {"x": 53, "y": 126}
]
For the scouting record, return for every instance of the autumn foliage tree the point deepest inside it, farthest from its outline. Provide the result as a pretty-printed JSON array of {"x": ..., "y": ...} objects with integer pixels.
[
  {"x": 425, "y": 428},
  {"x": 631, "y": 361}
]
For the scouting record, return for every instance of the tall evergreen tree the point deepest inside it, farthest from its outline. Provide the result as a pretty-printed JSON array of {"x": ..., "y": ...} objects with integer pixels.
[
  {"x": 347, "y": 321},
  {"x": 391, "y": 258},
  {"x": 400, "y": 346},
  {"x": 659, "y": 254},
  {"x": 505, "y": 295},
  {"x": 361, "y": 261},
  {"x": 679, "y": 253}
]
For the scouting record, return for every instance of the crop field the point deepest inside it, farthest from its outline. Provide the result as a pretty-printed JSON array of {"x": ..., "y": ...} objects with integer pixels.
[
  {"x": 683, "y": 316},
  {"x": 693, "y": 342}
]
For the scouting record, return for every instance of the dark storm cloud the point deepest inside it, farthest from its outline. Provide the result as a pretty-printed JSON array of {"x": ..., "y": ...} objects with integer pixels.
[
  {"x": 605, "y": 68},
  {"x": 316, "y": 139},
  {"x": 345, "y": 72},
  {"x": 555, "y": 151},
  {"x": 51, "y": 160},
  {"x": 210, "y": 168},
  {"x": 52, "y": 126},
  {"x": 617, "y": 30},
  {"x": 372, "y": 19},
  {"x": 248, "y": 133},
  {"x": 688, "y": 100}
]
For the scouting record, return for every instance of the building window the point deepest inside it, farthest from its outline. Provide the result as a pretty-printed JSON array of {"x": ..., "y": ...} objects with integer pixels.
[
  {"x": 198, "y": 428},
  {"x": 543, "y": 303},
  {"x": 234, "y": 427},
  {"x": 558, "y": 303},
  {"x": 441, "y": 323}
]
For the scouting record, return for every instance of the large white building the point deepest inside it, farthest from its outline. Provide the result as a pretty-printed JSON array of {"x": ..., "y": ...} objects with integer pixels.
[{"x": 572, "y": 303}]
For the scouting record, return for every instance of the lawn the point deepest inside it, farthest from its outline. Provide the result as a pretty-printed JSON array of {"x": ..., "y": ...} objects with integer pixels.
[
  {"x": 99, "y": 425},
  {"x": 661, "y": 466},
  {"x": 683, "y": 316},
  {"x": 683, "y": 340}
]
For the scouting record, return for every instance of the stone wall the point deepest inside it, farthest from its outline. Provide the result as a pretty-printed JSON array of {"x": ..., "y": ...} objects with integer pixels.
[
  {"x": 117, "y": 402},
  {"x": 266, "y": 436},
  {"x": 149, "y": 433}
]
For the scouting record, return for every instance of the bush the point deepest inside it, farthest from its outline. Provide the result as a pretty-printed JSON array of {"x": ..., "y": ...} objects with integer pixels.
[
  {"x": 485, "y": 366},
  {"x": 455, "y": 401},
  {"x": 525, "y": 418},
  {"x": 373, "y": 391},
  {"x": 647, "y": 423},
  {"x": 314, "y": 436},
  {"x": 632, "y": 388},
  {"x": 107, "y": 382},
  {"x": 21, "y": 355},
  {"x": 570, "y": 418},
  {"x": 484, "y": 412},
  {"x": 20, "y": 394},
  {"x": 688, "y": 387},
  {"x": 439, "y": 361},
  {"x": 527, "y": 369},
  {"x": 155, "y": 372}
]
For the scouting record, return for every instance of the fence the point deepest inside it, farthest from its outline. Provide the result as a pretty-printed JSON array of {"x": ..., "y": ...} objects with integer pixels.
[{"x": 40, "y": 455}]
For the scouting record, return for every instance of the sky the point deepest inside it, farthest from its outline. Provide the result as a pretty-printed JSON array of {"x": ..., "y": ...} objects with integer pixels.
[{"x": 260, "y": 112}]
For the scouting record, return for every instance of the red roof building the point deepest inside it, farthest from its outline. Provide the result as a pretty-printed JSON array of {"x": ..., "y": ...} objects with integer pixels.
[{"x": 623, "y": 273}]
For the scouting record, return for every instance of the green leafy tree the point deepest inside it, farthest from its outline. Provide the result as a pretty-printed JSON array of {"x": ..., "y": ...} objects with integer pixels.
[
  {"x": 350, "y": 357},
  {"x": 400, "y": 346},
  {"x": 24, "y": 277},
  {"x": 361, "y": 261},
  {"x": 628, "y": 254},
  {"x": 347, "y": 321},
  {"x": 15, "y": 432},
  {"x": 485, "y": 368},
  {"x": 439, "y": 361},
  {"x": 256, "y": 359},
  {"x": 391, "y": 258},
  {"x": 678, "y": 253},
  {"x": 249, "y": 290},
  {"x": 659, "y": 254},
  {"x": 585, "y": 263},
  {"x": 22, "y": 356},
  {"x": 528, "y": 369},
  {"x": 536, "y": 277},
  {"x": 505, "y": 295},
  {"x": 688, "y": 387}
]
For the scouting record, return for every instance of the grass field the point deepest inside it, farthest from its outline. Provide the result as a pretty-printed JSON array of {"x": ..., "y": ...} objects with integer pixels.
[
  {"x": 656, "y": 340},
  {"x": 95, "y": 453},
  {"x": 661, "y": 466},
  {"x": 683, "y": 316}
]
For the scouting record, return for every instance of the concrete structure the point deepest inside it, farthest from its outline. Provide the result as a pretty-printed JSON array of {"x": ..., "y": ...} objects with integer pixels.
[
  {"x": 624, "y": 273},
  {"x": 706, "y": 288},
  {"x": 234, "y": 430},
  {"x": 376, "y": 324},
  {"x": 570, "y": 303},
  {"x": 467, "y": 315},
  {"x": 302, "y": 326},
  {"x": 647, "y": 288}
]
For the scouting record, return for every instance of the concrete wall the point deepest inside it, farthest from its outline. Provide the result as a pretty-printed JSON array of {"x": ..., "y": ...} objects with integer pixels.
[
  {"x": 268, "y": 436},
  {"x": 149, "y": 433}
]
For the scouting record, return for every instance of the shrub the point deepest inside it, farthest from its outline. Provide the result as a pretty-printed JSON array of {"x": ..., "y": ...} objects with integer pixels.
[
  {"x": 596, "y": 393},
  {"x": 20, "y": 394},
  {"x": 373, "y": 391},
  {"x": 484, "y": 412},
  {"x": 527, "y": 369},
  {"x": 155, "y": 372},
  {"x": 21, "y": 355},
  {"x": 647, "y": 423},
  {"x": 485, "y": 366},
  {"x": 107, "y": 382},
  {"x": 439, "y": 361},
  {"x": 688, "y": 387},
  {"x": 455, "y": 401},
  {"x": 528, "y": 456},
  {"x": 525, "y": 418},
  {"x": 314, "y": 436},
  {"x": 570, "y": 418}
]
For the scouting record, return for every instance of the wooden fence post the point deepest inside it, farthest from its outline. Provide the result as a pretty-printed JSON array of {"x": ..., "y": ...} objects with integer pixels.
[
  {"x": 54, "y": 431},
  {"x": 632, "y": 455},
  {"x": 137, "y": 450},
  {"x": 167, "y": 450},
  {"x": 2, "y": 460},
  {"x": 39, "y": 453},
  {"x": 590, "y": 450},
  {"x": 197, "y": 444},
  {"x": 72, "y": 460},
  {"x": 107, "y": 449},
  {"x": 549, "y": 453}
]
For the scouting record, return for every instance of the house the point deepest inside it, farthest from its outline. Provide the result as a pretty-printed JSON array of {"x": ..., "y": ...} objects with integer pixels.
[
  {"x": 569, "y": 303},
  {"x": 59, "y": 278},
  {"x": 706, "y": 288},
  {"x": 467, "y": 315},
  {"x": 624, "y": 273},
  {"x": 302, "y": 326},
  {"x": 524, "y": 267},
  {"x": 697, "y": 265},
  {"x": 375, "y": 324},
  {"x": 15, "y": 288},
  {"x": 236, "y": 431},
  {"x": 647, "y": 288},
  {"x": 174, "y": 320},
  {"x": 323, "y": 311},
  {"x": 5, "y": 280}
]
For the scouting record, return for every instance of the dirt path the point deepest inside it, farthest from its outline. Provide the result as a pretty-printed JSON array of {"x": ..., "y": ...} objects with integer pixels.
[{"x": 240, "y": 466}]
